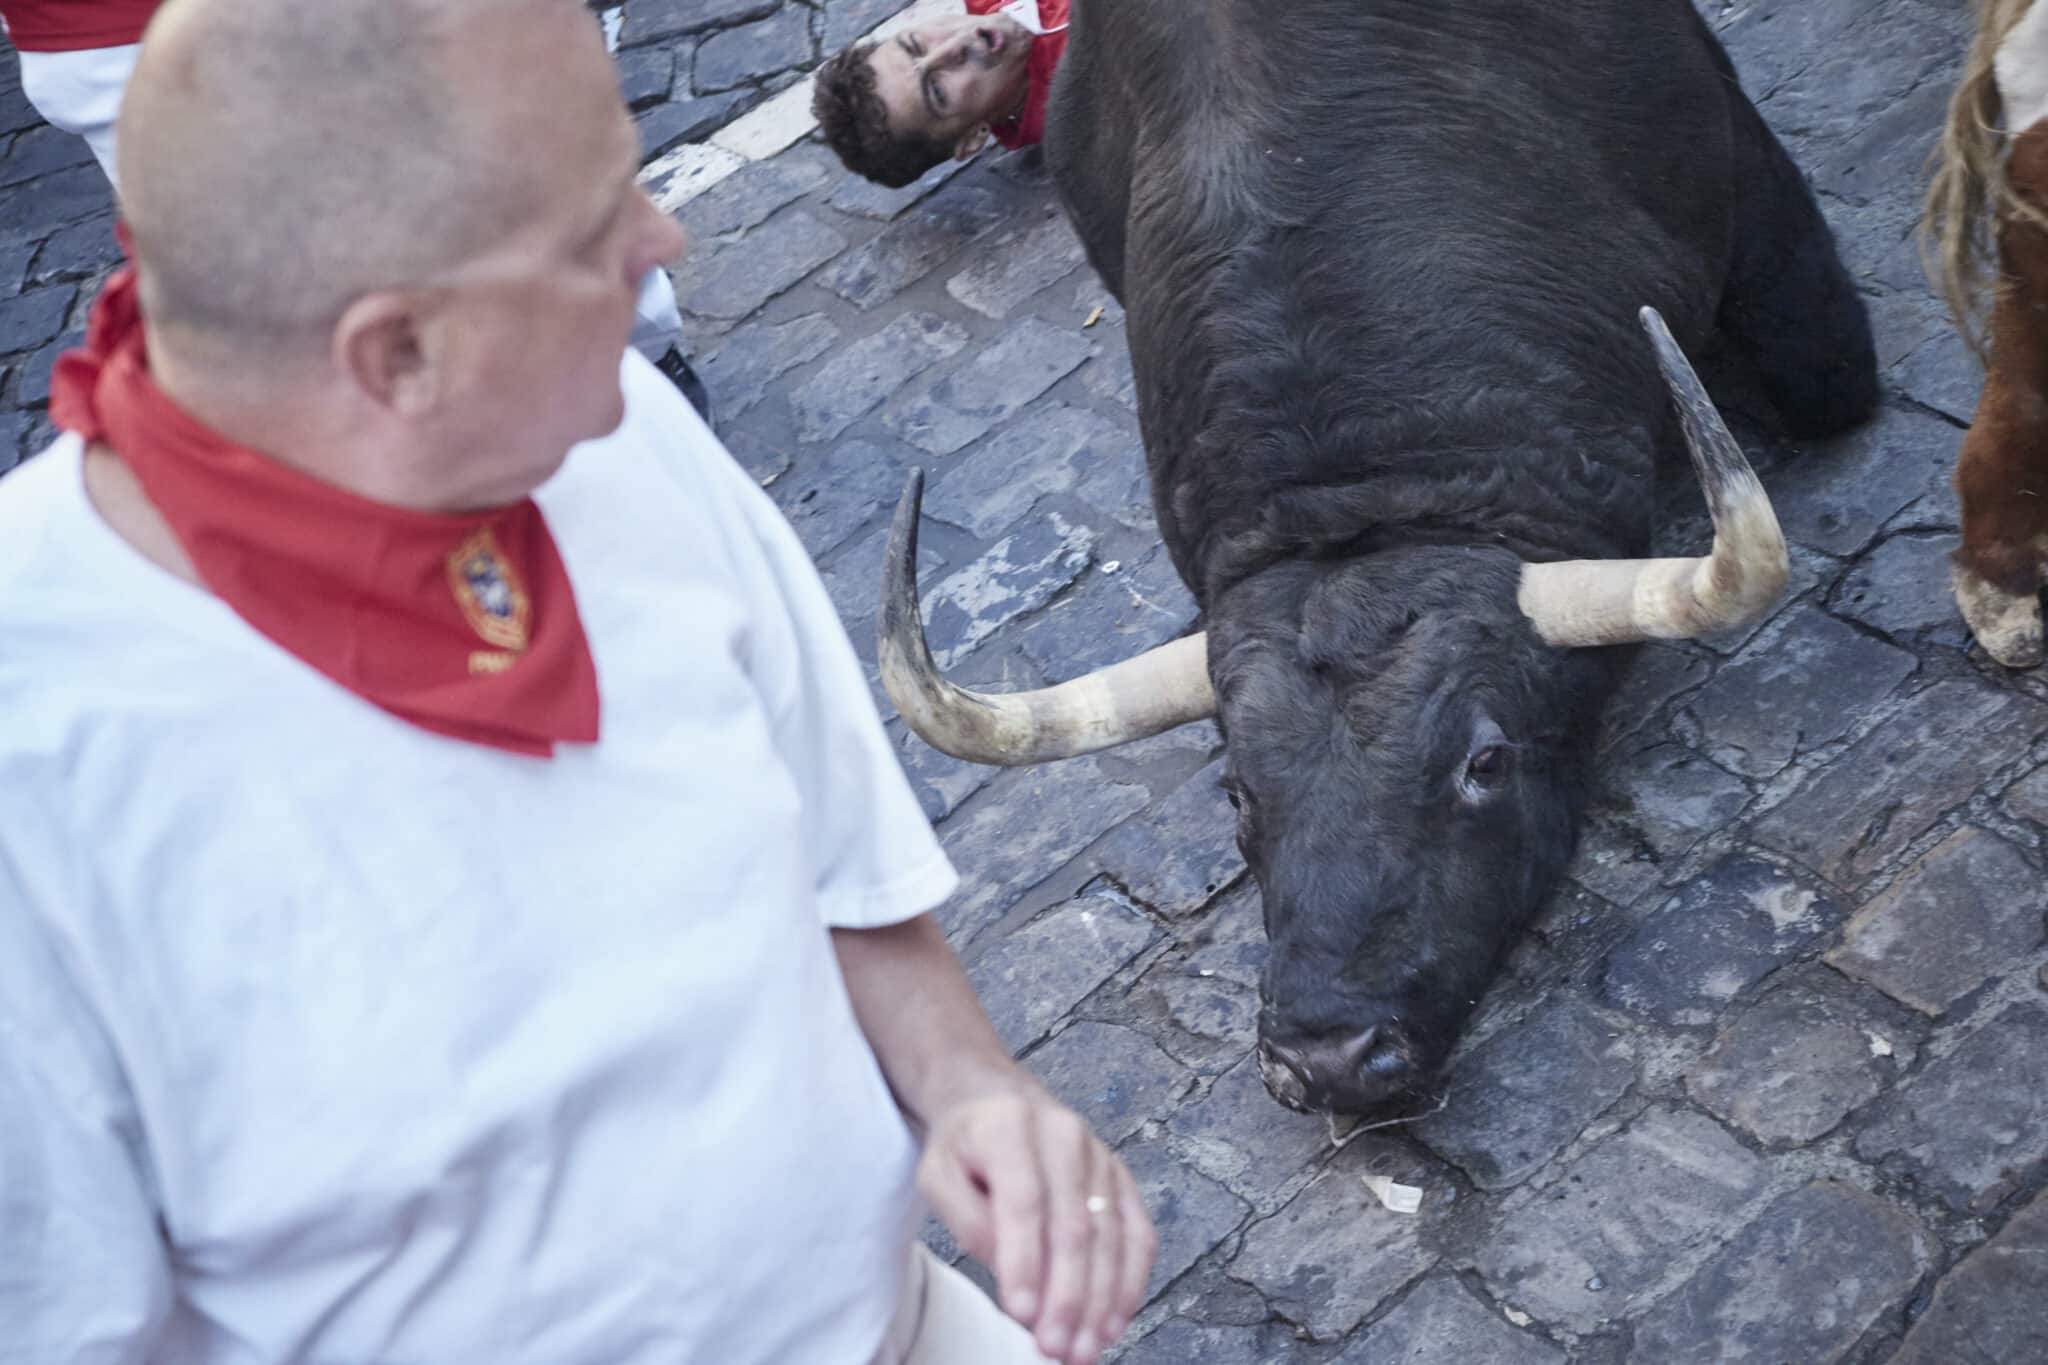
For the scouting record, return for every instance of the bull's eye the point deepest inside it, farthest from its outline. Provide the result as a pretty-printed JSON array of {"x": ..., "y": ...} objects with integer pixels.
[{"x": 1489, "y": 766}]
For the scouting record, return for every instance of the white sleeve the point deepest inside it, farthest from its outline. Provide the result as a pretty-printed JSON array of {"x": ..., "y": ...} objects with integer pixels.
[
  {"x": 875, "y": 857},
  {"x": 84, "y": 1278}
]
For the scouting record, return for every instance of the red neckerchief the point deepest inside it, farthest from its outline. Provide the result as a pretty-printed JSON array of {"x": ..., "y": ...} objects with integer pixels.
[
  {"x": 1026, "y": 127},
  {"x": 463, "y": 624}
]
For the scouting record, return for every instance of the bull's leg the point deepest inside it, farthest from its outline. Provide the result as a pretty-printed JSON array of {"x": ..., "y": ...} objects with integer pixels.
[
  {"x": 2002, "y": 474},
  {"x": 1787, "y": 300}
]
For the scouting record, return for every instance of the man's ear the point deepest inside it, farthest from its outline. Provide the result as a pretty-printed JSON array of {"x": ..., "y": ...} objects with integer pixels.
[
  {"x": 381, "y": 343},
  {"x": 971, "y": 141}
]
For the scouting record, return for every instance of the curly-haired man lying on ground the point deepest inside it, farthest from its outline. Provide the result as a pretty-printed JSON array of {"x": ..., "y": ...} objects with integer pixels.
[{"x": 942, "y": 88}]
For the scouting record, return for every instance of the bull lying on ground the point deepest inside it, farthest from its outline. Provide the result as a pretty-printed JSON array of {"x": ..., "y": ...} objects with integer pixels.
[
  {"x": 2002, "y": 472},
  {"x": 1382, "y": 262}
]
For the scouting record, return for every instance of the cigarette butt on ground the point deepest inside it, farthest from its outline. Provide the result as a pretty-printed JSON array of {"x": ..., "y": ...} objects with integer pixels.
[
  {"x": 1397, "y": 1197},
  {"x": 1094, "y": 317}
]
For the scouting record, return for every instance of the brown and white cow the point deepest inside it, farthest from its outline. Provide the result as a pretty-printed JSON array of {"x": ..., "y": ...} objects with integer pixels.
[{"x": 1990, "y": 196}]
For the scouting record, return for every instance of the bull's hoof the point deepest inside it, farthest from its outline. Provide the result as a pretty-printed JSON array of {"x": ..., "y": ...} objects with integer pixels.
[{"x": 2007, "y": 625}]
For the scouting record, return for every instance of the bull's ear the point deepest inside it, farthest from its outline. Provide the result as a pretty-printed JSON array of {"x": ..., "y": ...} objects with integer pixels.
[{"x": 971, "y": 142}]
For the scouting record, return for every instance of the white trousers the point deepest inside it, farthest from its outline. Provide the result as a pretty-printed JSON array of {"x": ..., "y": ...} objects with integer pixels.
[
  {"x": 945, "y": 1319},
  {"x": 80, "y": 92}
]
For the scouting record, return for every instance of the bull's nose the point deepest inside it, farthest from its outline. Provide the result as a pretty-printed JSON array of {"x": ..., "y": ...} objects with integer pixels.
[{"x": 1341, "y": 1072}]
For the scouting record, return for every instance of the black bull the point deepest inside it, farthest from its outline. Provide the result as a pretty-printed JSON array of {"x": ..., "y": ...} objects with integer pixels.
[{"x": 1382, "y": 262}]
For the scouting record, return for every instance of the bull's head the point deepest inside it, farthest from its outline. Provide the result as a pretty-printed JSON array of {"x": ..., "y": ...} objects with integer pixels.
[{"x": 1400, "y": 736}]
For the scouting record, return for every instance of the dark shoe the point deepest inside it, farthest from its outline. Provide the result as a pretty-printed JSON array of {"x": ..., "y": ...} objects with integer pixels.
[{"x": 677, "y": 368}]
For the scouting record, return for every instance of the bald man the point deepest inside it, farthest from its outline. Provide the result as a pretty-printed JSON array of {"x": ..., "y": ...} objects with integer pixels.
[
  {"x": 457, "y": 902},
  {"x": 76, "y": 57}
]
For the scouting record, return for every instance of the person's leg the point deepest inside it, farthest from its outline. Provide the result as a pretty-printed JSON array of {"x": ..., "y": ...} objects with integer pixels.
[
  {"x": 658, "y": 335},
  {"x": 957, "y": 1324},
  {"x": 80, "y": 92}
]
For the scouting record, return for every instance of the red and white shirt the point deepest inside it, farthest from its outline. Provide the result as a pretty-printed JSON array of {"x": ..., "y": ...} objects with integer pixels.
[{"x": 1028, "y": 128}]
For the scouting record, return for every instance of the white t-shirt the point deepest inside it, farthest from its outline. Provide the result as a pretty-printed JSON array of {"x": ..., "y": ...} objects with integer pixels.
[{"x": 325, "y": 1038}]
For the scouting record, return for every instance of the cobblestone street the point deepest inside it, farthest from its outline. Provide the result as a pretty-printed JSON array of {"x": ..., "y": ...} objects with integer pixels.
[{"x": 1768, "y": 1081}]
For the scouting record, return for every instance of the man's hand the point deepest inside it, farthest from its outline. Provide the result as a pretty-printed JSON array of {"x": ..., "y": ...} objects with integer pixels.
[{"x": 1030, "y": 1192}]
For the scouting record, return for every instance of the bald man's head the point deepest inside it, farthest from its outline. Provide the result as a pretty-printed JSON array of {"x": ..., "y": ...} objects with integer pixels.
[{"x": 281, "y": 159}]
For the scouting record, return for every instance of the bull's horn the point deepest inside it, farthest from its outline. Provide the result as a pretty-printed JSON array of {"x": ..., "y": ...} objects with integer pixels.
[
  {"x": 1155, "y": 691},
  {"x": 1617, "y": 601}
]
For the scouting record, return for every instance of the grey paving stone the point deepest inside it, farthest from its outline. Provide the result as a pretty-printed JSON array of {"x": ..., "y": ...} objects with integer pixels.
[
  {"x": 40, "y": 151},
  {"x": 1240, "y": 1135},
  {"x": 764, "y": 459},
  {"x": 1670, "y": 796},
  {"x": 1109, "y": 617},
  {"x": 750, "y": 195},
  {"x": 1974, "y": 1124},
  {"x": 1018, "y": 265},
  {"x": 1109, "y": 374},
  {"x": 1178, "y": 855},
  {"x": 833, "y": 493},
  {"x": 1993, "y": 1308},
  {"x": 915, "y": 244},
  {"x": 33, "y": 212},
  {"x": 1333, "y": 1255},
  {"x": 1440, "y": 1322},
  {"x": 1943, "y": 374},
  {"x": 1120, "y": 484},
  {"x": 943, "y": 412},
  {"x": 848, "y": 20},
  {"x": 1592, "y": 1247},
  {"x": 1191, "y": 1212},
  {"x": 646, "y": 75},
  {"x": 1893, "y": 784},
  {"x": 1969, "y": 910},
  {"x": 1519, "y": 1098},
  {"x": 1046, "y": 450},
  {"x": 1022, "y": 830},
  {"x": 1762, "y": 710},
  {"x": 1794, "y": 1065},
  {"x": 747, "y": 53},
  {"x": 866, "y": 199},
  {"x": 869, "y": 370},
  {"x": 1202, "y": 1002},
  {"x": 740, "y": 373},
  {"x": 650, "y": 20},
  {"x": 741, "y": 276},
  {"x": 1838, "y": 494},
  {"x": 1719, "y": 934},
  {"x": 1901, "y": 587},
  {"x": 1030, "y": 977},
  {"x": 684, "y": 120},
  {"x": 1017, "y": 574},
  {"x": 1850, "y": 71},
  {"x": 2028, "y": 797},
  {"x": 941, "y": 781},
  {"x": 1178, "y": 1341},
  {"x": 1114, "y": 1077},
  {"x": 28, "y": 320},
  {"x": 14, "y": 259},
  {"x": 1658, "y": 674},
  {"x": 1613, "y": 861},
  {"x": 1737, "y": 1310},
  {"x": 77, "y": 252}
]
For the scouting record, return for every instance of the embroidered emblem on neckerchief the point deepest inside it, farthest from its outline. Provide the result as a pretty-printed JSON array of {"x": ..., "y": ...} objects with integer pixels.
[{"x": 487, "y": 588}]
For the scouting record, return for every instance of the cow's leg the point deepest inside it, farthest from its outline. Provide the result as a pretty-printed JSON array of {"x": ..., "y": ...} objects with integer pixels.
[
  {"x": 1787, "y": 300},
  {"x": 2002, "y": 473}
]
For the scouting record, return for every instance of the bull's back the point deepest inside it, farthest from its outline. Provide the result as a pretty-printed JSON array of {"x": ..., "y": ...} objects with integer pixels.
[{"x": 1414, "y": 198}]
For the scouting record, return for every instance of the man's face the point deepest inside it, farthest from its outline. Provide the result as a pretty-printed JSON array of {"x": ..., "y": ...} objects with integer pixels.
[
  {"x": 951, "y": 75},
  {"x": 541, "y": 321}
]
